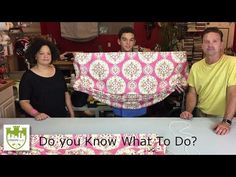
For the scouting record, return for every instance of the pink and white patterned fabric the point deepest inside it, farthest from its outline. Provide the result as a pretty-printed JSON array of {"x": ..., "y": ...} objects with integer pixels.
[
  {"x": 93, "y": 144},
  {"x": 130, "y": 80}
]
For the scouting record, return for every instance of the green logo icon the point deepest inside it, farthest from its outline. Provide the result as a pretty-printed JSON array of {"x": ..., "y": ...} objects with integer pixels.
[{"x": 16, "y": 137}]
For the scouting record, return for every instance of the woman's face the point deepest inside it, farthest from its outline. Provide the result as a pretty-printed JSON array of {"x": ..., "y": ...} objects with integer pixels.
[{"x": 43, "y": 56}]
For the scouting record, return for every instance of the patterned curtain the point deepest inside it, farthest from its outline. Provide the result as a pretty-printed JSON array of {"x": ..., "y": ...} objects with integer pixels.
[{"x": 130, "y": 79}]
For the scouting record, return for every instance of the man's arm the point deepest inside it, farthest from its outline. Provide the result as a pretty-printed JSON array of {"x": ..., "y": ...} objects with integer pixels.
[
  {"x": 191, "y": 101},
  {"x": 223, "y": 127},
  {"x": 231, "y": 103}
]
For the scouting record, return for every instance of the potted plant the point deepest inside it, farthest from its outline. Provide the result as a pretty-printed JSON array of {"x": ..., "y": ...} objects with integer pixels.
[{"x": 171, "y": 34}]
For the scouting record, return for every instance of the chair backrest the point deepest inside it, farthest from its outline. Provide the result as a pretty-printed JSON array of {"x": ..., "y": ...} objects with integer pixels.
[{"x": 79, "y": 99}]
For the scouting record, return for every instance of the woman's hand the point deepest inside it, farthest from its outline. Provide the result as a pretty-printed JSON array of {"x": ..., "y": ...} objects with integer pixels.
[{"x": 41, "y": 116}]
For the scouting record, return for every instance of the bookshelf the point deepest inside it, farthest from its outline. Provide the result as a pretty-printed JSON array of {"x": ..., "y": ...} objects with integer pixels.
[{"x": 192, "y": 41}]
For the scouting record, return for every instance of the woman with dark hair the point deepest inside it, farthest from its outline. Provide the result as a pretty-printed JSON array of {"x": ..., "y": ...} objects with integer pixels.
[{"x": 43, "y": 92}]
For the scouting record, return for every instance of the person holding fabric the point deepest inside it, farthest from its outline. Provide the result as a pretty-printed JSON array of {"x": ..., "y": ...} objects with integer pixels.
[
  {"x": 43, "y": 91},
  {"x": 212, "y": 83},
  {"x": 126, "y": 40}
]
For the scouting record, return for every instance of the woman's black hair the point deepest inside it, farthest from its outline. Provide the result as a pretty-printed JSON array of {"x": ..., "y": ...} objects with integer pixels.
[{"x": 35, "y": 45}]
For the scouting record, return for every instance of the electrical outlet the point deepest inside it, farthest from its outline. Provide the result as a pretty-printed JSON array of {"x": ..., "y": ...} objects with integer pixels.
[{"x": 109, "y": 44}]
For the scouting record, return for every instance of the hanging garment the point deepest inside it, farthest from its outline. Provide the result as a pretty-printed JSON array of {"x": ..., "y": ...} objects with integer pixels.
[
  {"x": 79, "y": 31},
  {"x": 130, "y": 80}
]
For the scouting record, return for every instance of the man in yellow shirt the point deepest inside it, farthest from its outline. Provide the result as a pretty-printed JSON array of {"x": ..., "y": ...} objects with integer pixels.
[{"x": 212, "y": 83}]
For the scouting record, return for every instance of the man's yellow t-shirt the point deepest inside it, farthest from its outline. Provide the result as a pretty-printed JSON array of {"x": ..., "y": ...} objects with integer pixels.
[{"x": 211, "y": 82}]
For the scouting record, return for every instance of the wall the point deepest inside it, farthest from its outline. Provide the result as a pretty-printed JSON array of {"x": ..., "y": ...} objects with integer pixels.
[
  {"x": 232, "y": 32},
  {"x": 228, "y": 29},
  {"x": 53, "y": 28},
  {"x": 234, "y": 46},
  {"x": 32, "y": 28}
]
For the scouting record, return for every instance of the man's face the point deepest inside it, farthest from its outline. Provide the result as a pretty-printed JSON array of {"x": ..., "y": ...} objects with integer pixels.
[
  {"x": 126, "y": 42},
  {"x": 212, "y": 44}
]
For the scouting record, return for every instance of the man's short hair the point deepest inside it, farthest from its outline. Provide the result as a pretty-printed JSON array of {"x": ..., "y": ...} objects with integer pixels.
[
  {"x": 214, "y": 30},
  {"x": 126, "y": 29}
]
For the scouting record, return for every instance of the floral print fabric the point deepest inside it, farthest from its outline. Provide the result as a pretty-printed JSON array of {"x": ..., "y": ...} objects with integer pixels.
[
  {"x": 130, "y": 80},
  {"x": 93, "y": 144}
]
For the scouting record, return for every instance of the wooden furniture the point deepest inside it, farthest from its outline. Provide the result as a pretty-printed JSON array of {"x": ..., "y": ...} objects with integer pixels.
[
  {"x": 7, "y": 101},
  {"x": 64, "y": 65}
]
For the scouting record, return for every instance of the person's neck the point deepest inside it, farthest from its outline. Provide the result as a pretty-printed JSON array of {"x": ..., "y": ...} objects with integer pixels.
[
  {"x": 43, "y": 67},
  {"x": 213, "y": 58},
  {"x": 123, "y": 50},
  {"x": 44, "y": 70}
]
